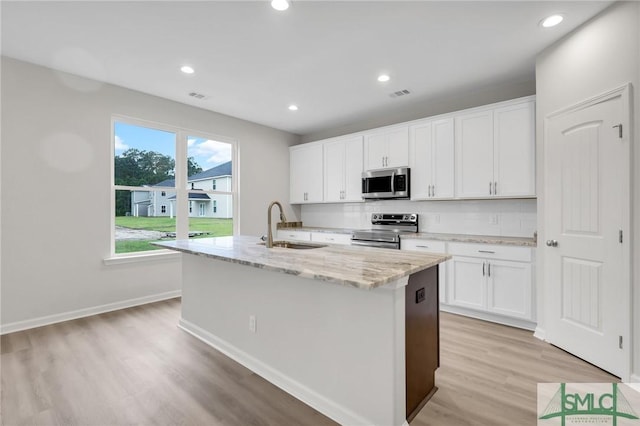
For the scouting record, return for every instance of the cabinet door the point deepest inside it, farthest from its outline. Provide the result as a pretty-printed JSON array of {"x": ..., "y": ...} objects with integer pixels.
[
  {"x": 442, "y": 159},
  {"x": 376, "y": 146},
  {"x": 398, "y": 147},
  {"x": 334, "y": 166},
  {"x": 467, "y": 282},
  {"x": 305, "y": 173},
  {"x": 353, "y": 169},
  {"x": 288, "y": 235},
  {"x": 514, "y": 150},
  {"x": 420, "y": 150},
  {"x": 474, "y": 155},
  {"x": 509, "y": 288}
]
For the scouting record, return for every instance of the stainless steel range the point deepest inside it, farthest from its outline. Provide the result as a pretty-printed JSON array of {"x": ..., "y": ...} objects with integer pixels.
[{"x": 386, "y": 230}]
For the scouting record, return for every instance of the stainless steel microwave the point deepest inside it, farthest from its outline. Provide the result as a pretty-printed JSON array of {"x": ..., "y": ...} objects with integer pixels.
[{"x": 386, "y": 184}]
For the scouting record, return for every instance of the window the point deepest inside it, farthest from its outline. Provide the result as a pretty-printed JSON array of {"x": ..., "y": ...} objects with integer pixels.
[
  {"x": 215, "y": 206},
  {"x": 145, "y": 172}
]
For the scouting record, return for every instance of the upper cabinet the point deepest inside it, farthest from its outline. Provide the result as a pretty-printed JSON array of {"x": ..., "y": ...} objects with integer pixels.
[
  {"x": 431, "y": 159},
  {"x": 305, "y": 162},
  {"x": 495, "y": 152},
  {"x": 343, "y": 170},
  {"x": 387, "y": 147}
]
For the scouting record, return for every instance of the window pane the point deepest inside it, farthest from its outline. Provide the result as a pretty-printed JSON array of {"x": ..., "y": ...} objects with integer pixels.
[
  {"x": 144, "y": 156},
  {"x": 210, "y": 215},
  {"x": 209, "y": 161},
  {"x": 135, "y": 230}
]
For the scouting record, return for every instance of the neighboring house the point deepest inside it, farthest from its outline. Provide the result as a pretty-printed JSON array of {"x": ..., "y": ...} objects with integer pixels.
[{"x": 154, "y": 203}]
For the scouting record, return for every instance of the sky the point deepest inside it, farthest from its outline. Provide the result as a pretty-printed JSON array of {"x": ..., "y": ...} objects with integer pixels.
[{"x": 206, "y": 152}]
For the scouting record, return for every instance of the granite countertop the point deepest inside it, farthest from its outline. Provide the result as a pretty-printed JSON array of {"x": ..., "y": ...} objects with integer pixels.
[
  {"x": 480, "y": 239},
  {"x": 459, "y": 238},
  {"x": 361, "y": 267}
]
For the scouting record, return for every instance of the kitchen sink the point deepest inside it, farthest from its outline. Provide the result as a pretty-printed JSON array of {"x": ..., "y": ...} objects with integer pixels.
[{"x": 296, "y": 246}]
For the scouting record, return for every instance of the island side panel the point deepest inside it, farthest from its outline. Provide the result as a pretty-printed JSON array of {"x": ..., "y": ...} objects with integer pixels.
[
  {"x": 337, "y": 348},
  {"x": 422, "y": 338}
]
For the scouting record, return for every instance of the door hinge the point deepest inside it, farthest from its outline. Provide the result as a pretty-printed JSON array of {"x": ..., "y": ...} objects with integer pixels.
[
  {"x": 619, "y": 126},
  {"x": 620, "y": 342},
  {"x": 620, "y": 236}
]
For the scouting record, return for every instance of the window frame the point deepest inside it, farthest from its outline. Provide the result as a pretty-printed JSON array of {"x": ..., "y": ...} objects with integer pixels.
[{"x": 181, "y": 183}]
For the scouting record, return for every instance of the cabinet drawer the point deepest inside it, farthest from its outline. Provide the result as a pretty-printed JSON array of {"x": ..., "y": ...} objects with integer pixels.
[
  {"x": 325, "y": 237},
  {"x": 491, "y": 251},
  {"x": 294, "y": 235},
  {"x": 430, "y": 246}
]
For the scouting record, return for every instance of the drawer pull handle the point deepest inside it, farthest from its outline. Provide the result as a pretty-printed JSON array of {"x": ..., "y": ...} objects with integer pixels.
[
  {"x": 486, "y": 251},
  {"x": 423, "y": 246}
]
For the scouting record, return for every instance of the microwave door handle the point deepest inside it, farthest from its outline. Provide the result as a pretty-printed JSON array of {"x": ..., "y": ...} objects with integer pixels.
[{"x": 393, "y": 181}]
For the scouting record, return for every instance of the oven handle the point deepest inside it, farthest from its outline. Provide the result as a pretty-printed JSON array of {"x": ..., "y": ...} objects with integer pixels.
[
  {"x": 393, "y": 182},
  {"x": 378, "y": 244}
]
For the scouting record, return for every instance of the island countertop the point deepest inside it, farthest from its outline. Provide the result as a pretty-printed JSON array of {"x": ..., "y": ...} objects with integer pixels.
[{"x": 361, "y": 267}]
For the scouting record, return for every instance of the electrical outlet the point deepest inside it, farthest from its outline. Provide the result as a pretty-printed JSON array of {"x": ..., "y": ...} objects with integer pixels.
[{"x": 252, "y": 323}]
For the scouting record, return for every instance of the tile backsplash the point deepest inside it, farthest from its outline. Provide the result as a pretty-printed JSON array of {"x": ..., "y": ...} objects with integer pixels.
[{"x": 506, "y": 218}]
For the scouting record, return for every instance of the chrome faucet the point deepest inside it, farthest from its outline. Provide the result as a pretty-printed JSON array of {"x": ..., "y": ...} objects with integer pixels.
[{"x": 269, "y": 243}]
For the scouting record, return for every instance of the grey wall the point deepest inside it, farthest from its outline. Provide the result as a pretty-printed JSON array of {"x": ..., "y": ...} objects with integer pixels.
[
  {"x": 599, "y": 56},
  {"x": 56, "y": 189},
  {"x": 407, "y": 110}
]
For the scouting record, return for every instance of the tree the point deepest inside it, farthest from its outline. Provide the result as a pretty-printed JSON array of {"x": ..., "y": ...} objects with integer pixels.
[{"x": 193, "y": 167}]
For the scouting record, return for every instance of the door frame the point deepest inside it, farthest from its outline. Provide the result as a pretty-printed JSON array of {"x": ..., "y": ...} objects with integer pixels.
[{"x": 624, "y": 92}]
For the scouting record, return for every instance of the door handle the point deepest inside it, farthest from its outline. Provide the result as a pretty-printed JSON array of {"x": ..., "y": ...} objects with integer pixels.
[
  {"x": 484, "y": 265},
  {"x": 552, "y": 243},
  {"x": 490, "y": 191}
]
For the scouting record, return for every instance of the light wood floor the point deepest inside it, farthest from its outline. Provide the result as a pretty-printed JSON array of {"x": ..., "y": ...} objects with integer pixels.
[{"x": 136, "y": 367}]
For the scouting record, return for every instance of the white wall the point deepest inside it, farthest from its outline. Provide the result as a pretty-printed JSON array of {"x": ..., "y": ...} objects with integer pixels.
[
  {"x": 599, "y": 56},
  {"x": 513, "y": 218},
  {"x": 56, "y": 159}
]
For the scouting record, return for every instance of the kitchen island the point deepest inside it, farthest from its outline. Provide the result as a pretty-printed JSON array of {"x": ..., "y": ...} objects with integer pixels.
[{"x": 351, "y": 331}]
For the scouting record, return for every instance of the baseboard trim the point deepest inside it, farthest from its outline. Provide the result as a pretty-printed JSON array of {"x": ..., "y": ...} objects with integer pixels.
[
  {"x": 635, "y": 378},
  {"x": 86, "y": 312},
  {"x": 539, "y": 333},
  {"x": 326, "y": 406}
]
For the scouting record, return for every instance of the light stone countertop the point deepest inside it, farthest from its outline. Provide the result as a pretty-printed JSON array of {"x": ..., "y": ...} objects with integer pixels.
[
  {"x": 361, "y": 267},
  {"x": 459, "y": 238}
]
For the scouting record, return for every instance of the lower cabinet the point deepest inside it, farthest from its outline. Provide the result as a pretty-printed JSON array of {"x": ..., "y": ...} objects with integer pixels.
[
  {"x": 319, "y": 237},
  {"x": 288, "y": 235},
  {"x": 493, "y": 279},
  {"x": 431, "y": 246}
]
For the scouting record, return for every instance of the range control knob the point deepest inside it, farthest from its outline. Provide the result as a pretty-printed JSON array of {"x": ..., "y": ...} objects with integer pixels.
[
  {"x": 405, "y": 217},
  {"x": 413, "y": 217}
]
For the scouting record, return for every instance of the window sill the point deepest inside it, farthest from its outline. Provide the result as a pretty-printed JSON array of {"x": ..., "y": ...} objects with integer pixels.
[{"x": 153, "y": 256}]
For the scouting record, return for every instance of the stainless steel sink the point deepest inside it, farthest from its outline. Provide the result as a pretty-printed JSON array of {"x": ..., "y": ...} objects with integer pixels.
[{"x": 296, "y": 246}]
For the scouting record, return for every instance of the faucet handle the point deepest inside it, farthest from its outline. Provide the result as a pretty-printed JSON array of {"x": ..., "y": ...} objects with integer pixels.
[{"x": 263, "y": 238}]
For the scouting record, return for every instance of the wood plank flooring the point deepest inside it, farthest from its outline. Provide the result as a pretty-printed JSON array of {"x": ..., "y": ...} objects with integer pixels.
[{"x": 135, "y": 366}]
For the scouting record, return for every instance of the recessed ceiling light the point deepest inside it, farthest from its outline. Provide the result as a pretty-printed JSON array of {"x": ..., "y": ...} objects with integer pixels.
[
  {"x": 293, "y": 107},
  {"x": 551, "y": 21},
  {"x": 280, "y": 4},
  {"x": 187, "y": 69},
  {"x": 383, "y": 77}
]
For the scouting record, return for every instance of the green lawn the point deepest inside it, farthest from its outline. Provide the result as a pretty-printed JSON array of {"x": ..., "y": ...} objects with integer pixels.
[{"x": 212, "y": 228}]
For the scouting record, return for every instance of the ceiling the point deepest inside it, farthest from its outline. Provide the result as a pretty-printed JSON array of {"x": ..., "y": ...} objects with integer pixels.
[{"x": 252, "y": 62}]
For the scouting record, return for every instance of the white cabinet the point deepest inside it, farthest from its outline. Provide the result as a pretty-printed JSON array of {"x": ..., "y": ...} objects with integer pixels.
[
  {"x": 289, "y": 235},
  {"x": 490, "y": 278},
  {"x": 388, "y": 147},
  {"x": 431, "y": 246},
  {"x": 305, "y": 176},
  {"x": 431, "y": 154},
  {"x": 331, "y": 238},
  {"x": 343, "y": 170},
  {"x": 495, "y": 151}
]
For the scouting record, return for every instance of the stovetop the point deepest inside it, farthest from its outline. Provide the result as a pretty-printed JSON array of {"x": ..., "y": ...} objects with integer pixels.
[{"x": 388, "y": 227}]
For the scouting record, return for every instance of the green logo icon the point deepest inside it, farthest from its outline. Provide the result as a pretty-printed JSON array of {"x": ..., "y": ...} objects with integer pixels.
[{"x": 587, "y": 405}]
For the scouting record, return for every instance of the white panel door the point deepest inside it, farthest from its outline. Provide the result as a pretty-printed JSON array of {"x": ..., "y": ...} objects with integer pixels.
[
  {"x": 334, "y": 164},
  {"x": 474, "y": 155},
  {"x": 442, "y": 159},
  {"x": 514, "y": 150},
  {"x": 376, "y": 148},
  {"x": 353, "y": 169},
  {"x": 586, "y": 165},
  {"x": 467, "y": 282},
  {"x": 305, "y": 173}
]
